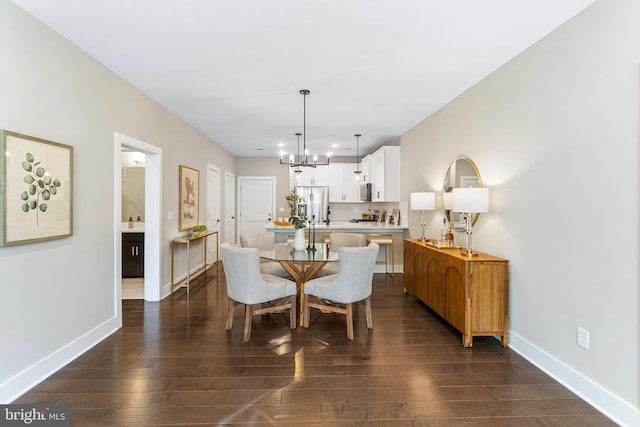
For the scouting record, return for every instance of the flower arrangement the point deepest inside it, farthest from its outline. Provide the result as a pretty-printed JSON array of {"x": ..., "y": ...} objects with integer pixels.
[{"x": 293, "y": 200}]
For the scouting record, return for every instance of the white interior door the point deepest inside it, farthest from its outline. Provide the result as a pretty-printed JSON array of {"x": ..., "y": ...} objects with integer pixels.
[
  {"x": 256, "y": 203},
  {"x": 229, "y": 208},
  {"x": 213, "y": 211}
]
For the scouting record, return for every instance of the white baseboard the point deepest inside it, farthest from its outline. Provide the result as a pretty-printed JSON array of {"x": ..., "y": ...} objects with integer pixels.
[
  {"x": 603, "y": 400},
  {"x": 16, "y": 386},
  {"x": 167, "y": 289}
]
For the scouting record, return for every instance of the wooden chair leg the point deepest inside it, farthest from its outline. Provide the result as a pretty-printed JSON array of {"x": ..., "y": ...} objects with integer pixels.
[
  {"x": 349, "y": 308},
  {"x": 292, "y": 313},
  {"x": 305, "y": 317},
  {"x": 367, "y": 304},
  {"x": 229, "y": 314},
  {"x": 248, "y": 317}
]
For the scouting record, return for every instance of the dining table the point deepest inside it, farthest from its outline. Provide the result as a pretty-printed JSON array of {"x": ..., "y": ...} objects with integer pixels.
[{"x": 302, "y": 265}]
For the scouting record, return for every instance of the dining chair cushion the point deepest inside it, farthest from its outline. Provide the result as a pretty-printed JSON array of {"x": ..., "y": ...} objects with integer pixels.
[
  {"x": 352, "y": 284},
  {"x": 354, "y": 279},
  {"x": 344, "y": 240},
  {"x": 247, "y": 285},
  {"x": 264, "y": 241},
  {"x": 341, "y": 240}
]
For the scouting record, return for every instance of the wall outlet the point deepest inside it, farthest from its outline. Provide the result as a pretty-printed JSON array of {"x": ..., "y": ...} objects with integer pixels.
[
  {"x": 583, "y": 338},
  {"x": 281, "y": 209},
  {"x": 169, "y": 215}
]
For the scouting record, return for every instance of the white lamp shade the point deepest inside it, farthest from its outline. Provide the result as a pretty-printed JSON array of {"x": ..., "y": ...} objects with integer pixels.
[
  {"x": 423, "y": 201},
  {"x": 447, "y": 200},
  {"x": 474, "y": 200}
]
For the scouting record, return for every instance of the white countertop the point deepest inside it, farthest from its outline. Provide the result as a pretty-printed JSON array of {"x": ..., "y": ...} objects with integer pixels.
[
  {"x": 365, "y": 226},
  {"x": 138, "y": 227}
]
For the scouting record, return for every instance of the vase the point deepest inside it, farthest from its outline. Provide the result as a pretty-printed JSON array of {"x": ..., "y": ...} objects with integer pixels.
[{"x": 298, "y": 240}]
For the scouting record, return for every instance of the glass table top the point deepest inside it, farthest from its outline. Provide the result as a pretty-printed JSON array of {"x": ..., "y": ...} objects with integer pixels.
[{"x": 285, "y": 252}]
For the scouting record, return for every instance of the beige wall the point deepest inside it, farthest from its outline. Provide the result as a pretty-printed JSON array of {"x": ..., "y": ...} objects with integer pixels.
[
  {"x": 53, "y": 90},
  {"x": 264, "y": 166},
  {"x": 555, "y": 136},
  {"x": 571, "y": 232},
  {"x": 133, "y": 194}
]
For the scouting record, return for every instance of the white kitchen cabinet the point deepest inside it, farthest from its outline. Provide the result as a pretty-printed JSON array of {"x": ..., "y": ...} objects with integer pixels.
[
  {"x": 385, "y": 174},
  {"x": 365, "y": 176},
  {"x": 342, "y": 184},
  {"x": 309, "y": 176}
]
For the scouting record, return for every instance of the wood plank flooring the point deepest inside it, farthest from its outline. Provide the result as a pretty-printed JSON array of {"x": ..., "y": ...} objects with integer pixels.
[{"x": 173, "y": 363}]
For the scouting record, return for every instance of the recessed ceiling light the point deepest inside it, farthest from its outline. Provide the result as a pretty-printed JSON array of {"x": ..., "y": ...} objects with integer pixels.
[
  {"x": 281, "y": 144},
  {"x": 334, "y": 145}
]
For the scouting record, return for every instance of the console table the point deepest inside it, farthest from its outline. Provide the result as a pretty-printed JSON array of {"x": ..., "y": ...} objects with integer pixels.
[
  {"x": 203, "y": 270},
  {"x": 471, "y": 293}
]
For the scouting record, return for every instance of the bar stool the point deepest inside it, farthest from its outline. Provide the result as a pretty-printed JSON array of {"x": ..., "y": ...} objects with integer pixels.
[{"x": 385, "y": 240}]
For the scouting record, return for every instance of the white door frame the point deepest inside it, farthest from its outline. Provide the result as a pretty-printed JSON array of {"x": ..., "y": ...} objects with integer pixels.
[
  {"x": 229, "y": 208},
  {"x": 214, "y": 215},
  {"x": 153, "y": 218}
]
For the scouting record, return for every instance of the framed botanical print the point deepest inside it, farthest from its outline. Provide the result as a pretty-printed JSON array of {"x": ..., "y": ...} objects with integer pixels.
[
  {"x": 36, "y": 197},
  {"x": 189, "y": 197}
]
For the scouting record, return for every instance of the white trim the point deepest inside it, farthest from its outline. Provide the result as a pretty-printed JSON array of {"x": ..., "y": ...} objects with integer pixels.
[
  {"x": 153, "y": 219},
  {"x": 592, "y": 393},
  {"x": 19, "y": 384}
]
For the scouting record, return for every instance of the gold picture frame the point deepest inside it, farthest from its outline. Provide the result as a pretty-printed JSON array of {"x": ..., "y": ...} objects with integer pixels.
[
  {"x": 36, "y": 189},
  {"x": 189, "y": 212}
]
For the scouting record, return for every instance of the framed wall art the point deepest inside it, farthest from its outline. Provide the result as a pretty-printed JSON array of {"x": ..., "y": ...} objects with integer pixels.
[
  {"x": 36, "y": 197},
  {"x": 189, "y": 197}
]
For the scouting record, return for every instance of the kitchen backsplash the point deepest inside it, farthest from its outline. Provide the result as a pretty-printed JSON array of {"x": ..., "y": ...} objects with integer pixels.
[{"x": 349, "y": 211}]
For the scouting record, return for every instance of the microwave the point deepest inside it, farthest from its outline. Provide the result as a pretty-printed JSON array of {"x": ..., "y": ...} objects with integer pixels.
[{"x": 365, "y": 192}]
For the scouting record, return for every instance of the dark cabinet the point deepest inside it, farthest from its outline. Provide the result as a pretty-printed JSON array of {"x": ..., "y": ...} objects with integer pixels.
[{"x": 132, "y": 254}]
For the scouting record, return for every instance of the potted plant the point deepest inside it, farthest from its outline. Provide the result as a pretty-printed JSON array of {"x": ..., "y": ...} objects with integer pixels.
[
  {"x": 198, "y": 229},
  {"x": 298, "y": 221}
]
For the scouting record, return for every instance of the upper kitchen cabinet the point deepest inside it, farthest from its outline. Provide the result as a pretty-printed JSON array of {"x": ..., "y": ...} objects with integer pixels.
[
  {"x": 342, "y": 183},
  {"x": 385, "y": 174},
  {"x": 309, "y": 176},
  {"x": 365, "y": 177}
]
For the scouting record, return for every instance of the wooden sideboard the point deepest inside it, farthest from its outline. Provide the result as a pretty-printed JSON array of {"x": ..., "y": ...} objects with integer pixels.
[{"x": 471, "y": 293}]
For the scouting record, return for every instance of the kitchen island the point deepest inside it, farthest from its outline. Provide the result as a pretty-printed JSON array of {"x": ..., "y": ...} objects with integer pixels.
[{"x": 365, "y": 227}]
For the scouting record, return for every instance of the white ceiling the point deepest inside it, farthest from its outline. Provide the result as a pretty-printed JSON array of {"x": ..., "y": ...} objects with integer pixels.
[{"x": 233, "y": 68}]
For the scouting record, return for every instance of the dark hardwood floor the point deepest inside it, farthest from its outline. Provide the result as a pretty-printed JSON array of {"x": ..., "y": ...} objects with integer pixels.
[{"x": 173, "y": 363}]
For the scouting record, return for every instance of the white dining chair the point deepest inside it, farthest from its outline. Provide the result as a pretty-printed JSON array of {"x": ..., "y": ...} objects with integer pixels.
[
  {"x": 264, "y": 241},
  {"x": 337, "y": 241},
  {"x": 352, "y": 284},
  {"x": 246, "y": 285}
]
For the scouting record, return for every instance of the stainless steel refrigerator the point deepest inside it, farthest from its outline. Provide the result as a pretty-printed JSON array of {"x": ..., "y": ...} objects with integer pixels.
[{"x": 316, "y": 202}]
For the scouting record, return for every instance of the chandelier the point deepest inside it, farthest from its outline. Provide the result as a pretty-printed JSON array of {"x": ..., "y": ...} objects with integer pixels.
[{"x": 303, "y": 160}]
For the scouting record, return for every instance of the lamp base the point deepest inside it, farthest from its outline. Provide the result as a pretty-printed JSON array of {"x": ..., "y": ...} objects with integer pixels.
[{"x": 468, "y": 253}]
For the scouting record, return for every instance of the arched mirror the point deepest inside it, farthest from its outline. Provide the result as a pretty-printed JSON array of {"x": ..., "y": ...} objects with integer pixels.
[{"x": 462, "y": 173}]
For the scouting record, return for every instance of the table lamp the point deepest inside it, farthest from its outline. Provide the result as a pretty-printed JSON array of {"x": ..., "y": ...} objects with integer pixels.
[
  {"x": 470, "y": 201},
  {"x": 423, "y": 202}
]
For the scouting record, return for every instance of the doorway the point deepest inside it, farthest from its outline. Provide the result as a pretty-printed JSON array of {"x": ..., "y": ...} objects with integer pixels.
[
  {"x": 132, "y": 218},
  {"x": 153, "y": 218},
  {"x": 256, "y": 202},
  {"x": 229, "y": 208},
  {"x": 213, "y": 212}
]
